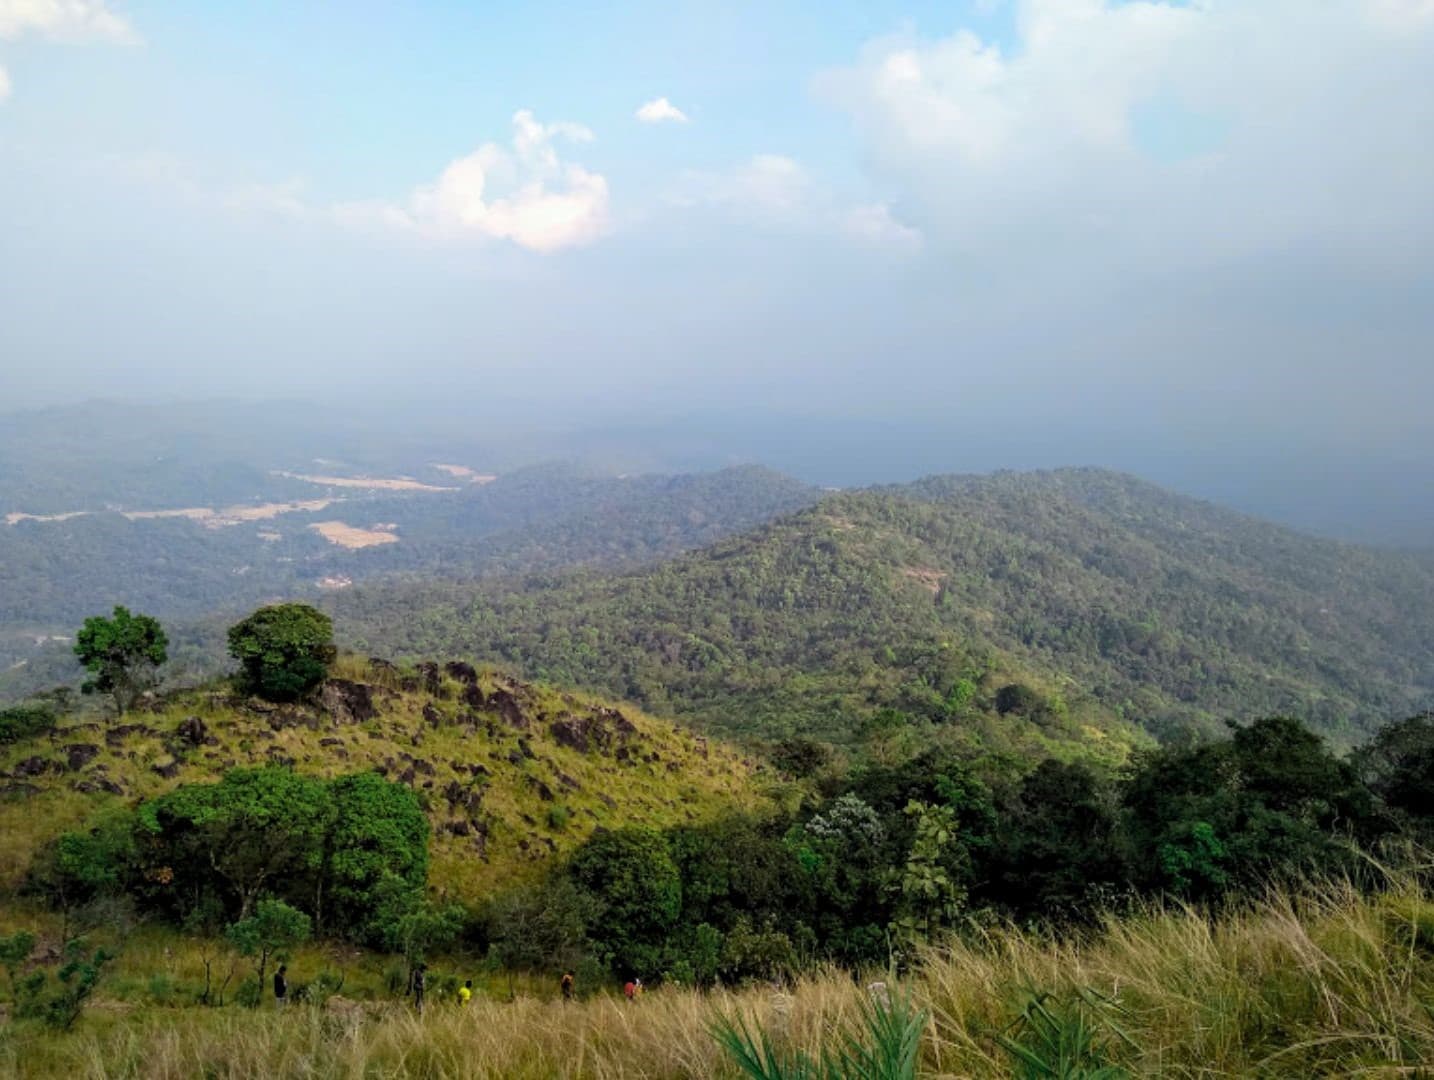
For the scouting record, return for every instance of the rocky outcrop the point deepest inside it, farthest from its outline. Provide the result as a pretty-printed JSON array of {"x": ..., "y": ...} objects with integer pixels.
[
  {"x": 348, "y": 702},
  {"x": 192, "y": 730},
  {"x": 81, "y": 754}
]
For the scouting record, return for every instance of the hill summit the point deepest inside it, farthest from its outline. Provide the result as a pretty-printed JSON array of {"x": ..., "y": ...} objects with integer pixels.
[{"x": 511, "y": 774}]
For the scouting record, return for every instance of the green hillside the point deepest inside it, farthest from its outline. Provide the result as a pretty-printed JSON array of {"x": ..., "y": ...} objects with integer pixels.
[
  {"x": 538, "y": 519},
  {"x": 1108, "y": 596},
  {"x": 512, "y": 775}
]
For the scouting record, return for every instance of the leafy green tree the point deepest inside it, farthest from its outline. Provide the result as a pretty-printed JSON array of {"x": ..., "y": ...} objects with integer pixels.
[
  {"x": 409, "y": 923},
  {"x": 283, "y": 650},
  {"x": 1270, "y": 801},
  {"x": 540, "y": 927},
  {"x": 78, "y": 977},
  {"x": 1058, "y": 849},
  {"x": 257, "y": 831},
  {"x": 272, "y": 930},
  {"x": 931, "y": 893},
  {"x": 81, "y": 868},
  {"x": 122, "y": 654},
  {"x": 377, "y": 831},
  {"x": 1017, "y": 698},
  {"x": 637, "y": 893},
  {"x": 1398, "y": 765}
]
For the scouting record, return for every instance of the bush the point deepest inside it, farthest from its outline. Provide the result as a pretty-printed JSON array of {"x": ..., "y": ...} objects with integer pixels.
[
  {"x": 284, "y": 650},
  {"x": 1018, "y": 698},
  {"x": 25, "y": 722}
]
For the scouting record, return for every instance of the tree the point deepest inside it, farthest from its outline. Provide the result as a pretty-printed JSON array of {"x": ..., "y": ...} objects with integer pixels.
[
  {"x": 256, "y": 831},
  {"x": 929, "y": 888},
  {"x": 1017, "y": 698},
  {"x": 1057, "y": 846},
  {"x": 1398, "y": 766},
  {"x": 377, "y": 831},
  {"x": 273, "y": 929},
  {"x": 283, "y": 650},
  {"x": 409, "y": 923},
  {"x": 637, "y": 891},
  {"x": 539, "y": 927},
  {"x": 122, "y": 654}
]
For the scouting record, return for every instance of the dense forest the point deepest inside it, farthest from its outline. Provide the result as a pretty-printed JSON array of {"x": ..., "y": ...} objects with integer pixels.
[
  {"x": 53, "y": 573},
  {"x": 1102, "y": 594}
]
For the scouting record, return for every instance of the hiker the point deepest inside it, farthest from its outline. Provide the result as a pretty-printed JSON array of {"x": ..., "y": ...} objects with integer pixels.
[
  {"x": 419, "y": 981},
  {"x": 281, "y": 986},
  {"x": 629, "y": 989},
  {"x": 567, "y": 986},
  {"x": 465, "y": 993}
]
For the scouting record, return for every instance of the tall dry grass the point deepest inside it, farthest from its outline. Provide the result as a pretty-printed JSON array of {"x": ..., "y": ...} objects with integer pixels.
[{"x": 1326, "y": 983}]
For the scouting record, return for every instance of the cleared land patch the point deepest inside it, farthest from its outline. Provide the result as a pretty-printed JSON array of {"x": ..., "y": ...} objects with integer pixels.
[
  {"x": 349, "y": 536},
  {"x": 463, "y": 472},
  {"x": 368, "y": 483}
]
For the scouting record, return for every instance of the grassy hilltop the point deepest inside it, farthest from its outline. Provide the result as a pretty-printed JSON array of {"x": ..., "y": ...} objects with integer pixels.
[{"x": 512, "y": 774}]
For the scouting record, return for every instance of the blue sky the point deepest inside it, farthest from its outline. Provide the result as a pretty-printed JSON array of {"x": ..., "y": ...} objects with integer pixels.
[{"x": 1204, "y": 224}]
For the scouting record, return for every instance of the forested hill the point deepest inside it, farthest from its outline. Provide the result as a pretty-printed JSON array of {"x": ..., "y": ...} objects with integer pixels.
[
  {"x": 54, "y": 573},
  {"x": 1103, "y": 594}
]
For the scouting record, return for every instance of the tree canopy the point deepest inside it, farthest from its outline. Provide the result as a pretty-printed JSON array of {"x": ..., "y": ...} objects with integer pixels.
[
  {"x": 122, "y": 653},
  {"x": 283, "y": 650}
]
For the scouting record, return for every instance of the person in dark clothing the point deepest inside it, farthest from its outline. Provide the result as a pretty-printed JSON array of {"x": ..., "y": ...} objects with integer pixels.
[
  {"x": 420, "y": 980},
  {"x": 281, "y": 986},
  {"x": 567, "y": 985}
]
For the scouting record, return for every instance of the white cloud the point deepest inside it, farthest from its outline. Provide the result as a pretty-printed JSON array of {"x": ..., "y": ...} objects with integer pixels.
[
  {"x": 64, "y": 20},
  {"x": 776, "y": 191},
  {"x": 524, "y": 193},
  {"x": 1032, "y": 153},
  {"x": 61, "y": 20},
  {"x": 875, "y": 225},
  {"x": 660, "y": 110},
  {"x": 769, "y": 184}
]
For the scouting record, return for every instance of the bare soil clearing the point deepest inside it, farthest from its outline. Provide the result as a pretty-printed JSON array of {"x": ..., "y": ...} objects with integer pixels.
[
  {"x": 367, "y": 483},
  {"x": 349, "y": 536}
]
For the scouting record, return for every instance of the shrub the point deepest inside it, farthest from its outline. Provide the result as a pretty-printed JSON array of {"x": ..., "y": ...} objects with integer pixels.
[
  {"x": 284, "y": 650},
  {"x": 25, "y": 722}
]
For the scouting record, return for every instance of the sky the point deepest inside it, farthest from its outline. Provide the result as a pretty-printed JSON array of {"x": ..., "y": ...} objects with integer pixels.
[{"x": 980, "y": 233}]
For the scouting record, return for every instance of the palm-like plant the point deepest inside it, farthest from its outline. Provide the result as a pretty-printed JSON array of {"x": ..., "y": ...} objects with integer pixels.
[{"x": 884, "y": 1046}]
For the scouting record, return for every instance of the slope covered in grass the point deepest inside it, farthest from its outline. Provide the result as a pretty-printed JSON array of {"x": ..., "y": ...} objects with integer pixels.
[{"x": 511, "y": 774}]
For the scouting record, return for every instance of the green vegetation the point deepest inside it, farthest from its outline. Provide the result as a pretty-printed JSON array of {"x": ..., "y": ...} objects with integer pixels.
[
  {"x": 24, "y": 722},
  {"x": 486, "y": 757},
  {"x": 283, "y": 650},
  {"x": 272, "y": 930},
  {"x": 122, "y": 654},
  {"x": 196, "y": 577},
  {"x": 1078, "y": 598},
  {"x": 1324, "y": 982},
  {"x": 879, "y": 862}
]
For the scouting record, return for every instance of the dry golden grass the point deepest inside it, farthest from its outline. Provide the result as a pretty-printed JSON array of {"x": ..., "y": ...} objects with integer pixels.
[{"x": 1329, "y": 984}]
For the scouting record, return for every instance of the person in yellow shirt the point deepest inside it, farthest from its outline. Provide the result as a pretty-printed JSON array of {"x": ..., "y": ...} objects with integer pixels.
[{"x": 465, "y": 992}]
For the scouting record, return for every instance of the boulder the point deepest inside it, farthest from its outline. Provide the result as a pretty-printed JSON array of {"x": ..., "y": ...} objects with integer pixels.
[
  {"x": 81, "y": 754},
  {"x": 348, "y": 702},
  {"x": 192, "y": 730}
]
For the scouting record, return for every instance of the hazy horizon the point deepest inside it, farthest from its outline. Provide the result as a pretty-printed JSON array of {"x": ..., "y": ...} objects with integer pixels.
[{"x": 856, "y": 241}]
